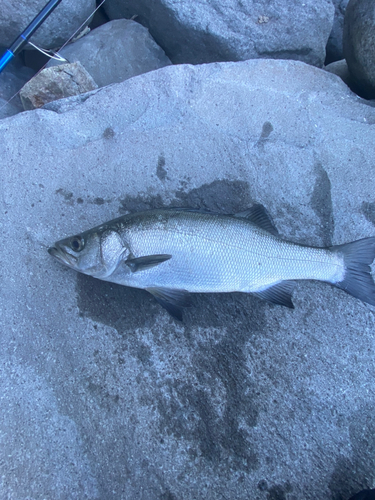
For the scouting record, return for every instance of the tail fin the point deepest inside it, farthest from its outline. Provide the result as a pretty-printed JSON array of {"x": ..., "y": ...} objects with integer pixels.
[{"x": 358, "y": 257}]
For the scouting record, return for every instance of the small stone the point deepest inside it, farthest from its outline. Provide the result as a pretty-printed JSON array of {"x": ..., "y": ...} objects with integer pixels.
[
  {"x": 359, "y": 44},
  {"x": 56, "y": 83}
]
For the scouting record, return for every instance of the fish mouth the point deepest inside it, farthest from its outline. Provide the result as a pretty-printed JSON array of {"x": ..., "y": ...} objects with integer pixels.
[{"x": 62, "y": 256}]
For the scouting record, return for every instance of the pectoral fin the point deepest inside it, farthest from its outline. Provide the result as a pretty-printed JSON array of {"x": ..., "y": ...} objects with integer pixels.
[
  {"x": 280, "y": 294},
  {"x": 141, "y": 263},
  {"x": 172, "y": 300}
]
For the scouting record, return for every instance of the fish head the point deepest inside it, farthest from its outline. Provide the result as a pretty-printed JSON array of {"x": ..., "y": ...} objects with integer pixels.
[{"x": 96, "y": 252}]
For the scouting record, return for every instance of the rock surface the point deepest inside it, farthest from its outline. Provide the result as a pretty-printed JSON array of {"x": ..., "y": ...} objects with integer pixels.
[
  {"x": 244, "y": 399},
  {"x": 340, "y": 68},
  {"x": 56, "y": 29},
  {"x": 116, "y": 51},
  {"x": 334, "y": 49},
  {"x": 359, "y": 44},
  {"x": 56, "y": 83},
  {"x": 199, "y": 32},
  {"x": 12, "y": 78}
]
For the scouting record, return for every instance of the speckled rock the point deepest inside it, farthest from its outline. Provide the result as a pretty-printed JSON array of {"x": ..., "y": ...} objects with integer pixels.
[
  {"x": 12, "y": 79},
  {"x": 103, "y": 395},
  {"x": 359, "y": 44},
  {"x": 229, "y": 30},
  {"x": 55, "y": 83},
  {"x": 67, "y": 17},
  {"x": 116, "y": 51}
]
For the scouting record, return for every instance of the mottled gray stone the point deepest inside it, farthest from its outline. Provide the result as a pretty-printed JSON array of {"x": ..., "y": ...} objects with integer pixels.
[
  {"x": 359, "y": 44},
  {"x": 67, "y": 17},
  {"x": 12, "y": 78},
  {"x": 56, "y": 83},
  {"x": 340, "y": 68},
  {"x": 116, "y": 51},
  {"x": 334, "y": 47},
  {"x": 111, "y": 398},
  {"x": 232, "y": 30}
]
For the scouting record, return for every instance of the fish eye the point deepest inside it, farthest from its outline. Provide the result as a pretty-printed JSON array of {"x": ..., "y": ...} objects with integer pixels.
[{"x": 77, "y": 243}]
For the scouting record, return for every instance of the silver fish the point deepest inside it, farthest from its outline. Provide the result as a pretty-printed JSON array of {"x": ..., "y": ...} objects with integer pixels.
[{"x": 173, "y": 252}]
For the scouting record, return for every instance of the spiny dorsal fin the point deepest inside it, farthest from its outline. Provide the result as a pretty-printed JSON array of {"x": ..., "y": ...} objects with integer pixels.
[
  {"x": 141, "y": 263},
  {"x": 280, "y": 294},
  {"x": 259, "y": 216},
  {"x": 172, "y": 300}
]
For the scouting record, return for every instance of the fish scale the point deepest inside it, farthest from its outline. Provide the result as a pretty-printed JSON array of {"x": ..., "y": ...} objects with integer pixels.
[{"x": 222, "y": 254}]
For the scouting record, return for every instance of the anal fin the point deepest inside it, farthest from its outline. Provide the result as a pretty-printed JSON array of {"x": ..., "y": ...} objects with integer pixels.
[
  {"x": 172, "y": 300},
  {"x": 280, "y": 294}
]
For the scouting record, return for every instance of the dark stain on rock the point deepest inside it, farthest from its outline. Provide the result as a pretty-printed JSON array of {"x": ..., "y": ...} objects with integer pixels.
[
  {"x": 217, "y": 430},
  {"x": 369, "y": 211},
  {"x": 321, "y": 203},
  {"x": 262, "y": 485},
  {"x": 67, "y": 195},
  {"x": 188, "y": 410},
  {"x": 266, "y": 130},
  {"x": 279, "y": 492},
  {"x": 264, "y": 136},
  {"x": 160, "y": 170},
  {"x": 356, "y": 473},
  {"x": 98, "y": 201},
  {"x": 227, "y": 197},
  {"x": 79, "y": 201},
  {"x": 108, "y": 133}
]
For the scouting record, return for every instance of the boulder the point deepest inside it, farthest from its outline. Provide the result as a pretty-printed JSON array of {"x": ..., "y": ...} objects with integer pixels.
[
  {"x": 116, "y": 51},
  {"x": 55, "y": 30},
  {"x": 200, "y": 32},
  {"x": 243, "y": 399},
  {"x": 12, "y": 79},
  {"x": 359, "y": 44}
]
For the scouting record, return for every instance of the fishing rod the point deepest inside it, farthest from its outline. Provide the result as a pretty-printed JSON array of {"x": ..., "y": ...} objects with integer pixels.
[{"x": 23, "y": 38}]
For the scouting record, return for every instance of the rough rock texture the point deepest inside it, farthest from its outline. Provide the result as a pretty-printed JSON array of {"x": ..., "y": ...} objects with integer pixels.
[
  {"x": 15, "y": 15},
  {"x": 116, "y": 51},
  {"x": 56, "y": 83},
  {"x": 232, "y": 30},
  {"x": 12, "y": 79},
  {"x": 340, "y": 68},
  {"x": 103, "y": 395},
  {"x": 359, "y": 44},
  {"x": 334, "y": 49}
]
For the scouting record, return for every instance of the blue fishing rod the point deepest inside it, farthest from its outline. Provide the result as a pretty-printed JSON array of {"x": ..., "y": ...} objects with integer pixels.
[{"x": 24, "y": 37}]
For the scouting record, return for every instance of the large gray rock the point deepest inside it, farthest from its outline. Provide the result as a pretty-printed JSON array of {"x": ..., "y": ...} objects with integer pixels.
[
  {"x": 359, "y": 44},
  {"x": 67, "y": 17},
  {"x": 198, "y": 32},
  {"x": 334, "y": 47},
  {"x": 12, "y": 78},
  {"x": 244, "y": 399},
  {"x": 116, "y": 51}
]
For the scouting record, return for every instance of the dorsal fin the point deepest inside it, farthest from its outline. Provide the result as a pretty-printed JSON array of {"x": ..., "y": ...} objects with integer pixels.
[{"x": 259, "y": 216}]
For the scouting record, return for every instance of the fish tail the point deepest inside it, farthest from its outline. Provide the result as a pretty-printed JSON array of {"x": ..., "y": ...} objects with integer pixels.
[{"x": 358, "y": 280}]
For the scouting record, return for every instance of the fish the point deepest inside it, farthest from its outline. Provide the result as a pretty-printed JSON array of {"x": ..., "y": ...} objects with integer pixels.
[{"x": 173, "y": 253}]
